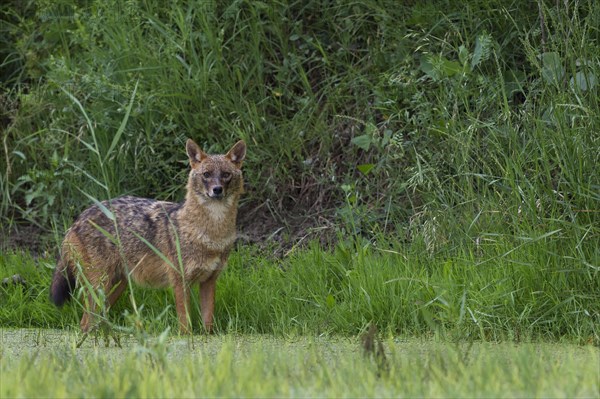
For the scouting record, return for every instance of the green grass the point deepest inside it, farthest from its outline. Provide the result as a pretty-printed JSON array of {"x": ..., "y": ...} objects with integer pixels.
[
  {"x": 512, "y": 293},
  {"x": 447, "y": 150},
  {"x": 44, "y": 363}
]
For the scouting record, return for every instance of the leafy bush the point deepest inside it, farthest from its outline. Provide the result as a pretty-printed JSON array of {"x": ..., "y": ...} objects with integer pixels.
[{"x": 443, "y": 124}]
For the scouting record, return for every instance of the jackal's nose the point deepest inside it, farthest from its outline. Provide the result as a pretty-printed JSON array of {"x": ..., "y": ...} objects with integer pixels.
[{"x": 217, "y": 191}]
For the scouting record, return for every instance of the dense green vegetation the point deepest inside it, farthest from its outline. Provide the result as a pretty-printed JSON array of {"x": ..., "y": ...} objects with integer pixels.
[
  {"x": 314, "y": 292},
  {"x": 447, "y": 122},
  {"x": 450, "y": 148},
  {"x": 430, "y": 168}
]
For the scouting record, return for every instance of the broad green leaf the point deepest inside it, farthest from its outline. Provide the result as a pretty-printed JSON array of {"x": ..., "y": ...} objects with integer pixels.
[
  {"x": 426, "y": 66},
  {"x": 552, "y": 68},
  {"x": 450, "y": 68},
  {"x": 463, "y": 54},
  {"x": 365, "y": 168},
  {"x": 363, "y": 141},
  {"x": 387, "y": 135},
  {"x": 583, "y": 81},
  {"x": 438, "y": 67},
  {"x": 330, "y": 301}
]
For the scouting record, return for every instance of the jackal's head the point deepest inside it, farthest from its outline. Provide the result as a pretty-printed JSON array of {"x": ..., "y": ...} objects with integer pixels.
[{"x": 216, "y": 177}]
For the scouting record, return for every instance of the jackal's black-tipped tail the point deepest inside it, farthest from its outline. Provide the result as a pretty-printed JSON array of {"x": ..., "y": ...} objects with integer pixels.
[{"x": 63, "y": 283}]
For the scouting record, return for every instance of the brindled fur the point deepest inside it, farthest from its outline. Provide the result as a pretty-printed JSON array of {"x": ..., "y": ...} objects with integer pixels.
[{"x": 157, "y": 243}]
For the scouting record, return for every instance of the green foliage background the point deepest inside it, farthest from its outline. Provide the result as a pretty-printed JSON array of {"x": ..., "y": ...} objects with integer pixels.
[
  {"x": 473, "y": 113},
  {"x": 455, "y": 131}
]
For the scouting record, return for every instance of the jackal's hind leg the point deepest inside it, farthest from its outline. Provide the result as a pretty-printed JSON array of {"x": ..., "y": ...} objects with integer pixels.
[
  {"x": 115, "y": 292},
  {"x": 89, "y": 308}
]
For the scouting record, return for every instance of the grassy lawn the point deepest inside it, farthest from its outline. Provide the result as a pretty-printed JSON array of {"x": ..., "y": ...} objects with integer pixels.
[
  {"x": 429, "y": 168},
  {"x": 313, "y": 292},
  {"x": 293, "y": 327},
  {"x": 36, "y": 363}
]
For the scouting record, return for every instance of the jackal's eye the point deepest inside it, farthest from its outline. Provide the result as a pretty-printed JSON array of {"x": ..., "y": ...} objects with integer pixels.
[
  {"x": 206, "y": 175},
  {"x": 226, "y": 175}
]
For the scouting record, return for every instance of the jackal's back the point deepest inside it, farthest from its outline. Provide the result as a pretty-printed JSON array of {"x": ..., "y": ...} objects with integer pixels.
[{"x": 143, "y": 229}]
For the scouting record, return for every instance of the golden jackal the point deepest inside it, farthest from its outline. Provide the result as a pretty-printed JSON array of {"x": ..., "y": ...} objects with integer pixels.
[{"x": 157, "y": 243}]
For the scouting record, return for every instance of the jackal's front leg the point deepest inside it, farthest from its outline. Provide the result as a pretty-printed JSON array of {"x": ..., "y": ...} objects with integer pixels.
[
  {"x": 182, "y": 305},
  {"x": 207, "y": 300}
]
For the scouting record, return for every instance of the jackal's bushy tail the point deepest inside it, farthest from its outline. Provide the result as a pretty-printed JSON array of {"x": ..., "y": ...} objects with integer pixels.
[{"x": 63, "y": 283}]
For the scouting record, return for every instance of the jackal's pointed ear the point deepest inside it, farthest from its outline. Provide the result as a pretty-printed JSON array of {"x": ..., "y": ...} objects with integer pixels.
[
  {"x": 237, "y": 153},
  {"x": 194, "y": 152}
]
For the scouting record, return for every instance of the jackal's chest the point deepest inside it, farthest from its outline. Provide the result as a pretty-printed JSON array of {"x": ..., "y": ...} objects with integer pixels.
[
  {"x": 200, "y": 269},
  {"x": 205, "y": 252}
]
